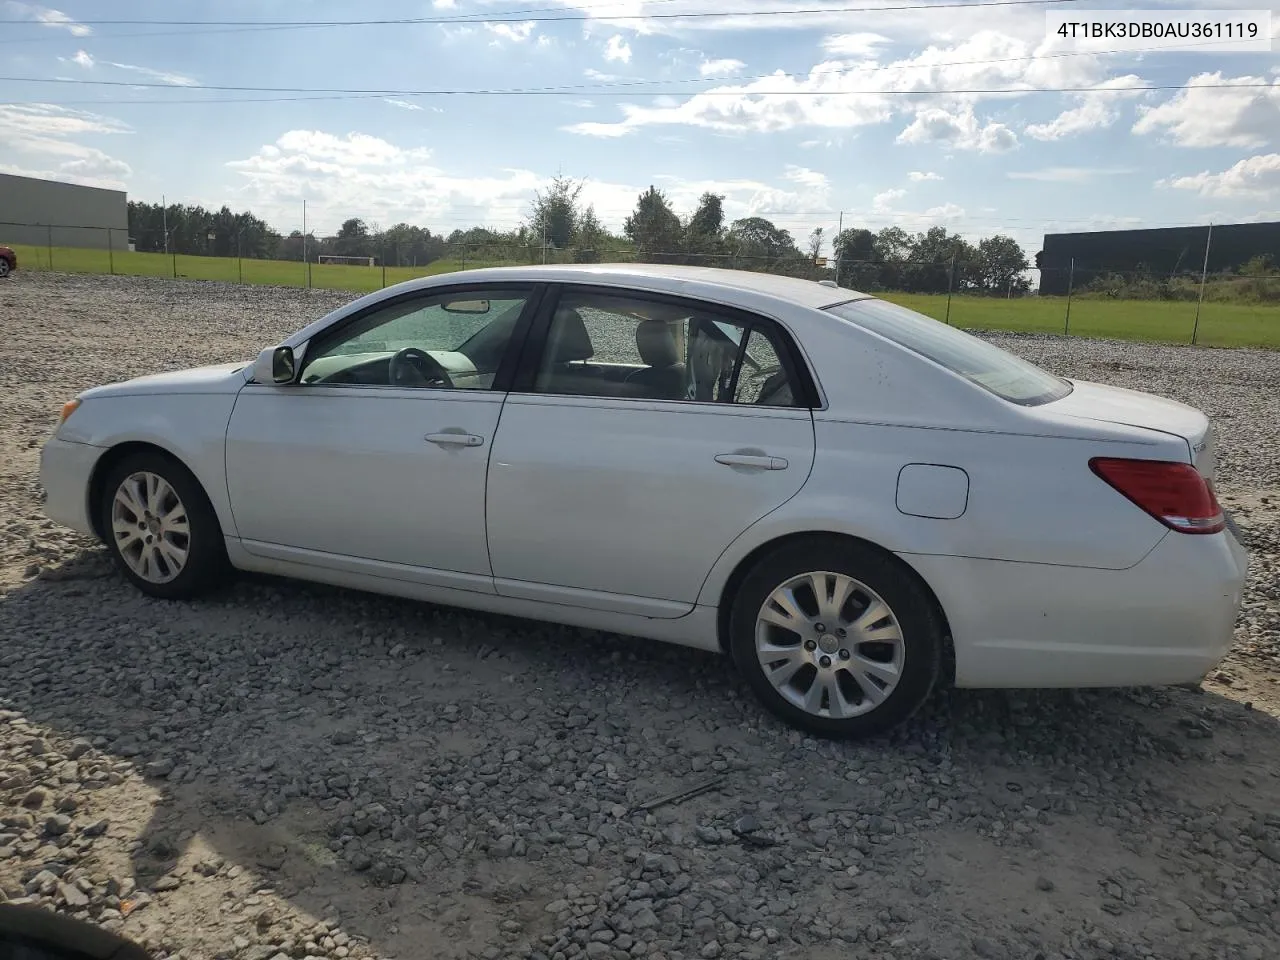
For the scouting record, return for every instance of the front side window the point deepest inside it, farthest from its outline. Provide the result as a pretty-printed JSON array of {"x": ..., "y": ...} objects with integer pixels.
[
  {"x": 441, "y": 340},
  {"x": 973, "y": 358},
  {"x": 607, "y": 345}
]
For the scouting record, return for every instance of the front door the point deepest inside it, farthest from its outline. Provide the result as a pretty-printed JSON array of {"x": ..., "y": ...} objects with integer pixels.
[
  {"x": 378, "y": 452},
  {"x": 619, "y": 492}
]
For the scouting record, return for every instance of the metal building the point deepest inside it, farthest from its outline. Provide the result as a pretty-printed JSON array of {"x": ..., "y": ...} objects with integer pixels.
[
  {"x": 1160, "y": 252},
  {"x": 47, "y": 212}
]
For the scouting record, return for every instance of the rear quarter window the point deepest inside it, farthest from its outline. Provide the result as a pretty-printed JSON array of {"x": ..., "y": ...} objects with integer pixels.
[{"x": 982, "y": 363}]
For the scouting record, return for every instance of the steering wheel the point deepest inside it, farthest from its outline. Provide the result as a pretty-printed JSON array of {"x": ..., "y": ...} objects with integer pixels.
[{"x": 412, "y": 367}]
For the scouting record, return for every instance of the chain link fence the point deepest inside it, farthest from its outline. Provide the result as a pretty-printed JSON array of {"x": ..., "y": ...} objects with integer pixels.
[{"x": 1237, "y": 308}]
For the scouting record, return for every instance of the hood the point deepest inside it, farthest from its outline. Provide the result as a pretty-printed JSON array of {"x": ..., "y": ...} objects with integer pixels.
[{"x": 219, "y": 378}]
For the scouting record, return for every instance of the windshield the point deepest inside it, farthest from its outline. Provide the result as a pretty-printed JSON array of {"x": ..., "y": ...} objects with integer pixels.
[{"x": 978, "y": 361}]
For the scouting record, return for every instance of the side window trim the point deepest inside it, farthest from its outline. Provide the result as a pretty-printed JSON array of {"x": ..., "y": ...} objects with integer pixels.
[
  {"x": 535, "y": 291},
  {"x": 789, "y": 355}
]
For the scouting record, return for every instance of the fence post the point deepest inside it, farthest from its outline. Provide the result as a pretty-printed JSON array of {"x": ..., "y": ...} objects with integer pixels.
[
  {"x": 1204, "y": 273},
  {"x": 1071, "y": 279},
  {"x": 951, "y": 278},
  {"x": 50, "y": 235},
  {"x": 382, "y": 257},
  {"x": 111, "y": 253},
  {"x": 175, "y": 261},
  {"x": 239, "y": 261}
]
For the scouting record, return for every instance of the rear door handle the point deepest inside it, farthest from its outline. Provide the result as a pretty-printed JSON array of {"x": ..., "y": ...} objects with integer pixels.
[
  {"x": 455, "y": 439},
  {"x": 748, "y": 460}
]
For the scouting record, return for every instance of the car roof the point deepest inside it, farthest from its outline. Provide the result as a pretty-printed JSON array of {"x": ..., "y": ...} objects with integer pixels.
[{"x": 662, "y": 277}]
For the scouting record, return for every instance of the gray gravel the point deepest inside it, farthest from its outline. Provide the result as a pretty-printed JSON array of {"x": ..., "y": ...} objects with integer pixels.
[{"x": 289, "y": 771}]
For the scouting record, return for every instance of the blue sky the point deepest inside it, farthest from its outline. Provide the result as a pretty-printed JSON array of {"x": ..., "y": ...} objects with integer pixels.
[{"x": 756, "y": 107}]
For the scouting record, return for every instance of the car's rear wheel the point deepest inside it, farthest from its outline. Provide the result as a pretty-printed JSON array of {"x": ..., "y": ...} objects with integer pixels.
[
  {"x": 161, "y": 528},
  {"x": 4, "y": 268},
  {"x": 836, "y": 638}
]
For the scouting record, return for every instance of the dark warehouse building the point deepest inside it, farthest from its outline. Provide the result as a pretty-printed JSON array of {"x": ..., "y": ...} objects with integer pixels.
[{"x": 1162, "y": 252}]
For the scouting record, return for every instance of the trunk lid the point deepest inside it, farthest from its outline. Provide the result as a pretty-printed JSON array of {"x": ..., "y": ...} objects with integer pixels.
[{"x": 1107, "y": 404}]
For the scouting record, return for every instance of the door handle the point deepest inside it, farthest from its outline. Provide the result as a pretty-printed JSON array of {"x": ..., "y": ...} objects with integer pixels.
[
  {"x": 455, "y": 439},
  {"x": 747, "y": 460}
]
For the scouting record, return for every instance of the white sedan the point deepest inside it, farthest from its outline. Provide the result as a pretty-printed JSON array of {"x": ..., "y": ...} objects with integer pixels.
[{"x": 851, "y": 500}]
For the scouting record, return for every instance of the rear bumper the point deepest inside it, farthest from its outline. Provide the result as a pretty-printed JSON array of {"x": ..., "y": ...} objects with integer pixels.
[
  {"x": 1168, "y": 619},
  {"x": 65, "y": 469}
]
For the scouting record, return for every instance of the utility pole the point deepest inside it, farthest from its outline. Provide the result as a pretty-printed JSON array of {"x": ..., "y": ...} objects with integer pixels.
[
  {"x": 835, "y": 246},
  {"x": 1204, "y": 273}
]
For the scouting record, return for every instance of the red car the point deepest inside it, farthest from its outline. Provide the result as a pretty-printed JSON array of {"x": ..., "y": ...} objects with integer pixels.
[{"x": 8, "y": 262}]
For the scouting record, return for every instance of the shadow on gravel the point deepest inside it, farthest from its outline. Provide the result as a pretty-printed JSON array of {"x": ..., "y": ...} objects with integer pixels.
[{"x": 411, "y": 775}]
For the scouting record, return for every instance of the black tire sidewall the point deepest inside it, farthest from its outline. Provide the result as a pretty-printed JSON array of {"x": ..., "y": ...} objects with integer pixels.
[
  {"x": 206, "y": 558},
  {"x": 911, "y": 604}
]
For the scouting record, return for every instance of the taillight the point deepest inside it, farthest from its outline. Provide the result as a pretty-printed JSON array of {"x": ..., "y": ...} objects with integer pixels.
[{"x": 1174, "y": 493}]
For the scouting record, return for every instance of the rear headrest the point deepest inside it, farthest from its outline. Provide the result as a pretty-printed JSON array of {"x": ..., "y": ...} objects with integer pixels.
[
  {"x": 656, "y": 341},
  {"x": 570, "y": 340}
]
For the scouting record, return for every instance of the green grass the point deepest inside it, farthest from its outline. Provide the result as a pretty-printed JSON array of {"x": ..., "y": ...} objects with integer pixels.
[{"x": 1221, "y": 324}]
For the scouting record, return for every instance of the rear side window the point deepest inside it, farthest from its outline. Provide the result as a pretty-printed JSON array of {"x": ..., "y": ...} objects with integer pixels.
[{"x": 978, "y": 361}]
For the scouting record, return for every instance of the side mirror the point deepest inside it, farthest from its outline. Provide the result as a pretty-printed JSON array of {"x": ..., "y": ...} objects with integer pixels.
[{"x": 282, "y": 365}]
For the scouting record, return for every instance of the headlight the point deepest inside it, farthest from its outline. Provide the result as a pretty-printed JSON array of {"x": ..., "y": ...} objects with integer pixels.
[{"x": 68, "y": 408}]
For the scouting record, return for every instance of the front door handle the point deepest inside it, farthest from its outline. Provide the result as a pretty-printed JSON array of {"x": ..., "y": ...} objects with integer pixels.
[
  {"x": 748, "y": 460},
  {"x": 455, "y": 439}
]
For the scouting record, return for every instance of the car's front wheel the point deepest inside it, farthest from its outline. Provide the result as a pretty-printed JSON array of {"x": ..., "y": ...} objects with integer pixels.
[
  {"x": 161, "y": 528},
  {"x": 836, "y": 638},
  {"x": 4, "y": 268}
]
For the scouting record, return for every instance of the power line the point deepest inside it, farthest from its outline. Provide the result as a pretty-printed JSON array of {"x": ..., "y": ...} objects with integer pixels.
[
  {"x": 588, "y": 87},
  {"x": 338, "y": 92},
  {"x": 517, "y": 16}
]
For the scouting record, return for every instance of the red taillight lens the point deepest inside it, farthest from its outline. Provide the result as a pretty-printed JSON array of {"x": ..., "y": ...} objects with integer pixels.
[{"x": 1173, "y": 493}]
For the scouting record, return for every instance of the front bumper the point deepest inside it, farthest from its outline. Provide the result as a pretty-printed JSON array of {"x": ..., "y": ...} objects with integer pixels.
[
  {"x": 1169, "y": 619},
  {"x": 65, "y": 471}
]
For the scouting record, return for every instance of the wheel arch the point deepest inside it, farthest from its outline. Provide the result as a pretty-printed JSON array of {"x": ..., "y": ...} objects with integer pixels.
[
  {"x": 113, "y": 456},
  {"x": 744, "y": 566}
]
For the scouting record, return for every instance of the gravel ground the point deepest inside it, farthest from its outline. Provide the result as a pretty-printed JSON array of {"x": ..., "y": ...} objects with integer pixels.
[{"x": 290, "y": 771}]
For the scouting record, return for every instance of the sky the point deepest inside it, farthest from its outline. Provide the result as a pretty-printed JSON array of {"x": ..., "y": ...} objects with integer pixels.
[{"x": 812, "y": 113}]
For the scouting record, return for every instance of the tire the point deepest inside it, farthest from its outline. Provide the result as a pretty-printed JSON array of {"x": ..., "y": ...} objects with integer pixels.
[
  {"x": 4, "y": 268},
  {"x": 203, "y": 565},
  {"x": 903, "y": 643}
]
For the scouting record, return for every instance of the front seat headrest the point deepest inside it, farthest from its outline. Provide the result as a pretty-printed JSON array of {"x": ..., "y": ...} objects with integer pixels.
[
  {"x": 656, "y": 341},
  {"x": 570, "y": 340}
]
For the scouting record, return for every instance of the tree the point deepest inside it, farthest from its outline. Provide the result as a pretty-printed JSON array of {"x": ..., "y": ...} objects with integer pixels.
[
  {"x": 589, "y": 238},
  {"x": 555, "y": 211},
  {"x": 755, "y": 239},
  {"x": 654, "y": 228},
  {"x": 1001, "y": 264},
  {"x": 815, "y": 243},
  {"x": 352, "y": 239},
  {"x": 704, "y": 233}
]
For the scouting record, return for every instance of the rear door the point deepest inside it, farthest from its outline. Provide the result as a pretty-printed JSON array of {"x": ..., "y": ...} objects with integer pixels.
[{"x": 621, "y": 494}]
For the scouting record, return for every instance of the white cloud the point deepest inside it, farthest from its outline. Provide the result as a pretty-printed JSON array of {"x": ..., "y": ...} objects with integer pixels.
[
  {"x": 962, "y": 130},
  {"x": 844, "y": 94},
  {"x": 82, "y": 59},
  {"x": 1069, "y": 174},
  {"x": 726, "y": 66},
  {"x": 162, "y": 76},
  {"x": 361, "y": 175},
  {"x": 807, "y": 178},
  {"x": 1095, "y": 111},
  {"x": 50, "y": 18},
  {"x": 445, "y": 4},
  {"x": 617, "y": 49},
  {"x": 402, "y": 104},
  {"x": 515, "y": 32},
  {"x": 883, "y": 202},
  {"x": 1231, "y": 116},
  {"x": 42, "y": 140},
  {"x": 918, "y": 175},
  {"x": 593, "y": 74},
  {"x": 1255, "y": 177},
  {"x": 854, "y": 44}
]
